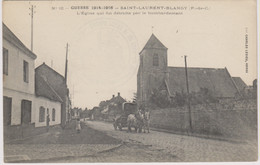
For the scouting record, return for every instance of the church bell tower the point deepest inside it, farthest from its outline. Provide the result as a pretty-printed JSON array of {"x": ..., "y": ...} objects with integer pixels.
[{"x": 152, "y": 68}]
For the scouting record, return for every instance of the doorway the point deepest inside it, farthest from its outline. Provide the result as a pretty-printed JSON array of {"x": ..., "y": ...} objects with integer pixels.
[
  {"x": 7, "y": 110},
  {"x": 26, "y": 110}
]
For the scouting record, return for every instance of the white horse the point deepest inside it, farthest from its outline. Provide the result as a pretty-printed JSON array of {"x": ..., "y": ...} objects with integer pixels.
[
  {"x": 136, "y": 121},
  {"x": 147, "y": 121}
]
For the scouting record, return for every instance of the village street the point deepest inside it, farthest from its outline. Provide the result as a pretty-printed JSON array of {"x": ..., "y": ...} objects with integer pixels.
[
  {"x": 58, "y": 144},
  {"x": 182, "y": 147},
  {"x": 99, "y": 142}
]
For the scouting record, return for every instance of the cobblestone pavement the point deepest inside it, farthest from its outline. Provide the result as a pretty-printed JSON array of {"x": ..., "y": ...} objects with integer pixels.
[
  {"x": 184, "y": 148},
  {"x": 59, "y": 143},
  {"x": 42, "y": 152},
  {"x": 130, "y": 152}
]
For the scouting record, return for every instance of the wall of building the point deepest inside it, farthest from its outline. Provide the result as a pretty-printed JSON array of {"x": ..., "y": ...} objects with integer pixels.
[
  {"x": 14, "y": 79},
  {"x": 151, "y": 77},
  {"x": 58, "y": 83},
  {"x": 13, "y": 83},
  {"x": 238, "y": 119},
  {"x": 46, "y": 103},
  {"x": 17, "y": 98},
  {"x": 148, "y": 59}
]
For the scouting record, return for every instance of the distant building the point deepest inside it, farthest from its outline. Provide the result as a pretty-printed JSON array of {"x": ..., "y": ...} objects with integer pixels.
[
  {"x": 155, "y": 74},
  {"x": 57, "y": 84},
  {"x": 250, "y": 91},
  {"x": 95, "y": 113},
  {"x": 75, "y": 113},
  {"x": 112, "y": 107}
]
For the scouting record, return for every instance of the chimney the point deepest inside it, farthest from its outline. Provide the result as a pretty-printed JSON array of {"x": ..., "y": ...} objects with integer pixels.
[
  {"x": 118, "y": 93},
  {"x": 113, "y": 96}
]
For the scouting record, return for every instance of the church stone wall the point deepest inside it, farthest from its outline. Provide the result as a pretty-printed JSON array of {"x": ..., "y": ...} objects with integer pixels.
[
  {"x": 150, "y": 77},
  {"x": 236, "y": 121}
]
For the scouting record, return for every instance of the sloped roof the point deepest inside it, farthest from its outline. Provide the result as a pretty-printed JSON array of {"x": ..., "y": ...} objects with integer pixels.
[
  {"x": 239, "y": 83},
  {"x": 117, "y": 99},
  {"x": 114, "y": 101},
  {"x": 11, "y": 37},
  {"x": 217, "y": 81},
  {"x": 43, "y": 65},
  {"x": 154, "y": 42},
  {"x": 42, "y": 88},
  {"x": 53, "y": 79}
]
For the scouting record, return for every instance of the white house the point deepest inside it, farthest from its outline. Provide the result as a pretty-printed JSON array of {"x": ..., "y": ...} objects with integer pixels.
[
  {"x": 48, "y": 99},
  {"x": 20, "y": 104}
]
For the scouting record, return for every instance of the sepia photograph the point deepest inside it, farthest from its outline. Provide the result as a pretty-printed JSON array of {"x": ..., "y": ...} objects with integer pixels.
[{"x": 129, "y": 81}]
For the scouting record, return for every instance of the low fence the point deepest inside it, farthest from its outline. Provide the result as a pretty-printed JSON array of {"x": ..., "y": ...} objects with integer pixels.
[{"x": 235, "y": 119}]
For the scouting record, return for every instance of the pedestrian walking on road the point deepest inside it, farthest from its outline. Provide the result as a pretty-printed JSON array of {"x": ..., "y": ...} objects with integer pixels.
[
  {"x": 78, "y": 127},
  {"x": 48, "y": 122}
]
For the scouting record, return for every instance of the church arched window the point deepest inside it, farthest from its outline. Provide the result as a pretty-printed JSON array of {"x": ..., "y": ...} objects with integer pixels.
[{"x": 155, "y": 60}]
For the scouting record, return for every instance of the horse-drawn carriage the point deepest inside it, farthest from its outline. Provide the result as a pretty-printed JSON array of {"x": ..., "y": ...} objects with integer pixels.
[
  {"x": 127, "y": 109},
  {"x": 131, "y": 117}
]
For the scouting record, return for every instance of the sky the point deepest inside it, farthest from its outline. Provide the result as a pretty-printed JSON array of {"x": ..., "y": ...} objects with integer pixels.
[{"x": 104, "y": 48}]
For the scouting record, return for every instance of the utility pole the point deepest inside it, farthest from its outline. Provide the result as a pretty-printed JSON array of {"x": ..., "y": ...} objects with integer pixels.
[
  {"x": 72, "y": 100},
  {"x": 32, "y": 12},
  {"x": 66, "y": 64},
  {"x": 187, "y": 83}
]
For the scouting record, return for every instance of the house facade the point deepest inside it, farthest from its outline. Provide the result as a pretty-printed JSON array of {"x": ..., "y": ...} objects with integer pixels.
[
  {"x": 48, "y": 102},
  {"x": 154, "y": 74},
  {"x": 21, "y": 106},
  {"x": 18, "y": 80},
  {"x": 60, "y": 92}
]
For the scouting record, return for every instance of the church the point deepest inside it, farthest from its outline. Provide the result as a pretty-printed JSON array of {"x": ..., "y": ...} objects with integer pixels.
[{"x": 155, "y": 74}]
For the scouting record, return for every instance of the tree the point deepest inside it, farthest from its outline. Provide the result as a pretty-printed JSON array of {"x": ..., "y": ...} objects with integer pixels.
[
  {"x": 160, "y": 98},
  {"x": 180, "y": 99},
  {"x": 102, "y": 104}
]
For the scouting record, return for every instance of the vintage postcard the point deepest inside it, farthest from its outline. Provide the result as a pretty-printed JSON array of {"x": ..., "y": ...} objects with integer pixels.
[{"x": 129, "y": 81}]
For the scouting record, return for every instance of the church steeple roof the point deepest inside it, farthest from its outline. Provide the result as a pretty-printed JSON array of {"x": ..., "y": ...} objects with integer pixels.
[{"x": 154, "y": 42}]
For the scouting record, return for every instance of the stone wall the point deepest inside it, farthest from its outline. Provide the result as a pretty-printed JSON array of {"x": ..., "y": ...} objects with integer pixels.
[{"x": 232, "y": 119}]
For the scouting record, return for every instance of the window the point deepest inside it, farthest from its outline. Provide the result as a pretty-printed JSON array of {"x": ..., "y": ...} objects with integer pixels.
[
  {"x": 155, "y": 60},
  {"x": 25, "y": 71},
  {"x": 53, "y": 114},
  {"x": 5, "y": 61},
  {"x": 42, "y": 114}
]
